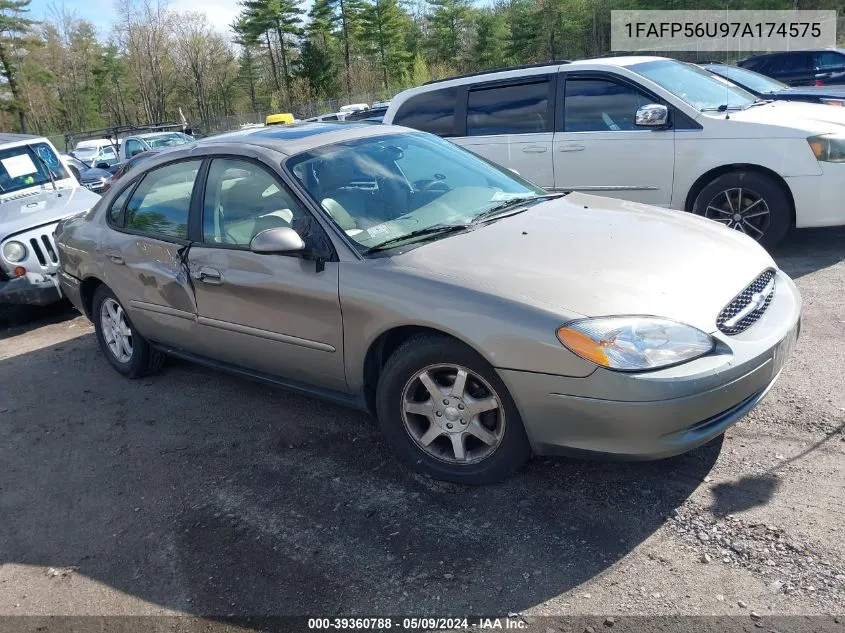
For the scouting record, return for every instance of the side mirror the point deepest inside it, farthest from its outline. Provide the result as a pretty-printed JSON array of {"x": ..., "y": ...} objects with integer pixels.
[
  {"x": 103, "y": 165},
  {"x": 135, "y": 152},
  {"x": 278, "y": 240},
  {"x": 652, "y": 115}
]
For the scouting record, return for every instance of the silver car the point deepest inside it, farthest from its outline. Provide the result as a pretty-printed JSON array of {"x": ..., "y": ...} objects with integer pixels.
[{"x": 477, "y": 317}]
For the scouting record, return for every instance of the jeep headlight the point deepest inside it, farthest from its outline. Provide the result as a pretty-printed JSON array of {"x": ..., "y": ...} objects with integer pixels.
[
  {"x": 634, "y": 343},
  {"x": 14, "y": 252},
  {"x": 829, "y": 148}
]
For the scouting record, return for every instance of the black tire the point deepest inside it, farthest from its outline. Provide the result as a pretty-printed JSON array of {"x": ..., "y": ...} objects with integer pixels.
[
  {"x": 779, "y": 219},
  {"x": 418, "y": 353},
  {"x": 144, "y": 359}
]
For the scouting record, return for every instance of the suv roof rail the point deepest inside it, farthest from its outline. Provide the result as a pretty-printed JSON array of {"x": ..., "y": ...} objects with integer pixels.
[
  {"x": 116, "y": 132},
  {"x": 554, "y": 62}
]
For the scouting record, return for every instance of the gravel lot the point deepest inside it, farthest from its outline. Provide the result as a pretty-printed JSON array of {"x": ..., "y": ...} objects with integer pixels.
[{"x": 193, "y": 492}]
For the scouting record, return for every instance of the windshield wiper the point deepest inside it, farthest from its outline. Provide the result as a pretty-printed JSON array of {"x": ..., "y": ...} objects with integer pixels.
[
  {"x": 45, "y": 166},
  {"x": 437, "y": 229},
  {"x": 508, "y": 204},
  {"x": 722, "y": 108},
  {"x": 757, "y": 103}
]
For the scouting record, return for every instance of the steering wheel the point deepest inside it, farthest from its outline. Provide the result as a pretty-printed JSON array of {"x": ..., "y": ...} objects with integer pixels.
[{"x": 432, "y": 185}]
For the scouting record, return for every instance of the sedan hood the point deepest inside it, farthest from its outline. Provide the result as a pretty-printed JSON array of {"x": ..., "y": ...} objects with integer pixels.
[
  {"x": 20, "y": 214},
  {"x": 584, "y": 255}
]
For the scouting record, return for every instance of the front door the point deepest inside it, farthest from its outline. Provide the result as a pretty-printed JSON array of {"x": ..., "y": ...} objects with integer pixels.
[
  {"x": 142, "y": 252},
  {"x": 599, "y": 148},
  {"x": 272, "y": 313},
  {"x": 512, "y": 124}
]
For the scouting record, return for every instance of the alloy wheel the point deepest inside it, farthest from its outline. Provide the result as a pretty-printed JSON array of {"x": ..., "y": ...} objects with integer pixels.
[
  {"x": 453, "y": 414},
  {"x": 740, "y": 209},
  {"x": 116, "y": 332}
]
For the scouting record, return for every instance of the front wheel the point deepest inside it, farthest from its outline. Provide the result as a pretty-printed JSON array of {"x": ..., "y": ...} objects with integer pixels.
[
  {"x": 748, "y": 202},
  {"x": 125, "y": 349},
  {"x": 447, "y": 414}
]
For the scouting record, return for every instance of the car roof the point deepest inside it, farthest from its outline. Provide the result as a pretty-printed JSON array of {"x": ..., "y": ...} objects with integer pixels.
[
  {"x": 301, "y": 137},
  {"x": 16, "y": 138}
]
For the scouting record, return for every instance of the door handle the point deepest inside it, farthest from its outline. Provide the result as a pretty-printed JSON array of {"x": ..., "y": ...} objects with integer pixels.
[
  {"x": 116, "y": 258},
  {"x": 571, "y": 147},
  {"x": 534, "y": 149},
  {"x": 208, "y": 275}
]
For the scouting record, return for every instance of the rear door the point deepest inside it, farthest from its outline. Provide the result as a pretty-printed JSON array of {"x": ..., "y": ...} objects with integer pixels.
[
  {"x": 272, "y": 313},
  {"x": 599, "y": 149},
  {"x": 511, "y": 123},
  {"x": 143, "y": 253}
]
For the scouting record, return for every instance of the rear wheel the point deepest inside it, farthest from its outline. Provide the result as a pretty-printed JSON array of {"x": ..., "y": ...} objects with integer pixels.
[
  {"x": 748, "y": 202},
  {"x": 125, "y": 349},
  {"x": 446, "y": 413}
]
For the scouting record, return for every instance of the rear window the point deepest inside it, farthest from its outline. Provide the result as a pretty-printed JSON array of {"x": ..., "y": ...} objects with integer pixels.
[
  {"x": 514, "y": 109},
  {"x": 432, "y": 112}
]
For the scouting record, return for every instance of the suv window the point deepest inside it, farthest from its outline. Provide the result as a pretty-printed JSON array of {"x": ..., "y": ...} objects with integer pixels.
[
  {"x": 432, "y": 112},
  {"x": 242, "y": 199},
  {"x": 161, "y": 202},
  {"x": 829, "y": 59},
  {"x": 133, "y": 145},
  {"x": 790, "y": 63},
  {"x": 512, "y": 109},
  {"x": 599, "y": 105}
]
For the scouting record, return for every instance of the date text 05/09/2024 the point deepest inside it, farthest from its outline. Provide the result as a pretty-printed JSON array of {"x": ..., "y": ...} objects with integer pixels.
[{"x": 416, "y": 624}]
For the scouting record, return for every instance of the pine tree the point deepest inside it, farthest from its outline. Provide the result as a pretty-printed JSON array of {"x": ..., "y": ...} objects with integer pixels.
[
  {"x": 383, "y": 26},
  {"x": 491, "y": 40},
  {"x": 14, "y": 27},
  {"x": 449, "y": 21}
]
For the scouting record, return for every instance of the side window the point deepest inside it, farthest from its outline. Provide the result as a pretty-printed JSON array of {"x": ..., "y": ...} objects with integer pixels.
[
  {"x": 117, "y": 206},
  {"x": 829, "y": 59},
  {"x": 133, "y": 146},
  {"x": 792, "y": 63},
  {"x": 600, "y": 105},
  {"x": 514, "y": 109},
  {"x": 432, "y": 112},
  {"x": 161, "y": 202},
  {"x": 107, "y": 153},
  {"x": 242, "y": 199}
]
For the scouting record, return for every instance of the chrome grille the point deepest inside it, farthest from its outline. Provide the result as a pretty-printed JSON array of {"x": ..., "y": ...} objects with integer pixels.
[{"x": 748, "y": 306}]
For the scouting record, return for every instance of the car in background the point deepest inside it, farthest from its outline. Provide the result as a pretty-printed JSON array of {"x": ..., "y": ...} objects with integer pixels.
[
  {"x": 89, "y": 151},
  {"x": 354, "y": 107},
  {"x": 36, "y": 192},
  {"x": 710, "y": 147},
  {"x": 121, "y": 168},
  {"x": 801, "y": 68},
  {"x": 333, "y": 116},
  {"x": 133, "y": 145},
  {"x": 96, "y": 179},
  {"x": 295, "y": 269},
  {"x": 371, "y": 115},
  {"x": 764, "y": 87},
  {"x": 73, "y": 165}
]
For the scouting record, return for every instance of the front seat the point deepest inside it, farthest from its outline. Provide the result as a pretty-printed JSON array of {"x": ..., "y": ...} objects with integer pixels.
[
  {"x": 343, "y": 203},
  {"x": 243, "y": 206}
]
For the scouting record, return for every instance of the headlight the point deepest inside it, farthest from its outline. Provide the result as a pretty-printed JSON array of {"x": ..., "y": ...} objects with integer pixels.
[
  {"x": 634, "y": 343},
  {"x": 14, "y": 252},
  {"x": 829, "y": 148}
]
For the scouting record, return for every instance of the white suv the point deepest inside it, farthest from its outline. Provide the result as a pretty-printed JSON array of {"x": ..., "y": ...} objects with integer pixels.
[{"x": 648, "y": 129}]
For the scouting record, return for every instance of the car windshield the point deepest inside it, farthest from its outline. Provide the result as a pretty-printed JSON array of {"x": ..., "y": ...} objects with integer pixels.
[
  {"x": 85, "y": 152},
  {"x": 27, "y": 166},
  {"x": 380, "y": 189},
  {"x": 696, "y": 86},
  {"x": 748, "y": 79}
]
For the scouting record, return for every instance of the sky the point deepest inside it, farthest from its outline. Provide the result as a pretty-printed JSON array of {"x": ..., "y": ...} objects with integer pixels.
[{"x": 101, "y": 13}]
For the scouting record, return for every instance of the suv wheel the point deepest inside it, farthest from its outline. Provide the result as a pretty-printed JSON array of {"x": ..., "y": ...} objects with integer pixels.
[
  {"x": 446, "y": 413},
  {"x": 749, "y": 202},
  {"x": 125, "y": 349}
]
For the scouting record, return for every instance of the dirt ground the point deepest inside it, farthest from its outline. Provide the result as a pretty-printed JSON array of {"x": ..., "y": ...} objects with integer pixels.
[{"x": 193, "y": 492}]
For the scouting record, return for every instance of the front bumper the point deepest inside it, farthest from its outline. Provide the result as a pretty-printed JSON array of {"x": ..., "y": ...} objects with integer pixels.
[
  {"x": 661, "y": 413},
  {"x": 818, "y": 199},
  {"x": 31, "y": 289}
]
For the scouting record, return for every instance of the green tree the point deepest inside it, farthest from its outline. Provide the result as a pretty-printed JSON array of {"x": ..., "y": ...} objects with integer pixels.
[
  {"x": 449, "y": 21},
  {"x": 14, "y": 28},
  {"x": 317, "y": 66},
  {"x": 492, "y": 40},
  {"x": 383, "y": 26}
]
